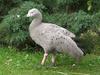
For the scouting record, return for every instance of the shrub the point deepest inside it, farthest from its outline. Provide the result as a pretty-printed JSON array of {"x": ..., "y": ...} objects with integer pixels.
[
  {"x": 64, "y": 5},
  {"x": 56, "y": 18},
  {"x": 14, "y": 27},
  {"x": 96, "y": 18},
  {"x": 95, "y": 5},
  {"x": 89, "y": 41},
  {"x": 80, "y": 22},
  {"x": 6, "y": 5}
]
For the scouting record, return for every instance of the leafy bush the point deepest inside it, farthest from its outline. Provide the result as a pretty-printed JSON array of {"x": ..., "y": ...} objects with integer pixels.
[
  {"x": 56, "y": 18},
  {"x": 62, "y": 5},
  {"x": 6, "y": 5},
  {"x": 14, "y": 27},
  {"x": 89, "y": 41},
  {"x": 95, "y": 5},
  {"x": 80, "y": 22},
  {"x": 96, "y": 20}
]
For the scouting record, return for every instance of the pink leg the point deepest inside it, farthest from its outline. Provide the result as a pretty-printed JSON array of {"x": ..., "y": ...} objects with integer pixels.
[
  {"x": 44, "y": 58},
  {"x": 53, "y": 59}
]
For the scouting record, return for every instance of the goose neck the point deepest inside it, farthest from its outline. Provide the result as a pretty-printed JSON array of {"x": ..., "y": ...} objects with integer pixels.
[{"x": 37, "y": 20}]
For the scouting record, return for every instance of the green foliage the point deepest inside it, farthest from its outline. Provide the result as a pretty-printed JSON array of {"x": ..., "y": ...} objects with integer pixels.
[
  {"x": 56, "y": 18},
  {"x": 80, "y": 22},
  {"x": 96, "y": 18},
  {"x": 6, "y": 5},
  {"x": 89, "y": 41},
  {"x": 77, "y": 22},
  {"x": 15, "y": 25},
  {"x": 63, "y": 5},
  {"x": 95, "y": 5}
]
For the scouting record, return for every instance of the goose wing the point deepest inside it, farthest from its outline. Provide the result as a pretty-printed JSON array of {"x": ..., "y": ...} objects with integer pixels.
[{"x": 62, "y": 30}]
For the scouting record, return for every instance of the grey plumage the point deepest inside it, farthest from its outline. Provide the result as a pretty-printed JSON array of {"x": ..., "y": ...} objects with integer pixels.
[{"x": 51, "y": 37}]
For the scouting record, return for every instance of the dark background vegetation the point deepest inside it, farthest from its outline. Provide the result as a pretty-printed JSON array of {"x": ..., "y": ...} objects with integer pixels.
[{"x": 82, "y": 17}]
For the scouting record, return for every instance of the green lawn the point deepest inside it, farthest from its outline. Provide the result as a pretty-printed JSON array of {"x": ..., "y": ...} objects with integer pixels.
[{"x": 14, "y": 62}]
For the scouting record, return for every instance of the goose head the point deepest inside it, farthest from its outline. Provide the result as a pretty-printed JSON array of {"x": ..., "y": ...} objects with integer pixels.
[{"x": 33, "y": 13}]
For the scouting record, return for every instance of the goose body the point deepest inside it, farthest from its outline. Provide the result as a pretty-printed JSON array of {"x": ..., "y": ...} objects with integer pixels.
[{"x": 52, "y": 37}]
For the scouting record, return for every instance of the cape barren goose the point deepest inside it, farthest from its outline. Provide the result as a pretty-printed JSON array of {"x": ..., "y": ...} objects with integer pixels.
[{"x": 52, "y": 38}]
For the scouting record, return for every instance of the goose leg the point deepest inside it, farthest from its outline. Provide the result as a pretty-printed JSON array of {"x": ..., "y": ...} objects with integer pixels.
[
  {"x": 53, "y": 58},
  {"x": 44, "y": 58}
]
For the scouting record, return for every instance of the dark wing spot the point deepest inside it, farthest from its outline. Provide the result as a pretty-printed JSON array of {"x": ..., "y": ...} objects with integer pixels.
[
  {"x": 58, "y": 33},
  {"x": 61, "y": 42},
  {"x": 61, "y": 37},
  {"x": 66, "y": 33},
  {"x": 52, "y": 39},
  {"x": 56, "y": 38},
  {"x": 66, "y": 38}
]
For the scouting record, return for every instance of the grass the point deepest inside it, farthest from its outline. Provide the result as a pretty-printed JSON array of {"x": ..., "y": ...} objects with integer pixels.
[{"x": 14, "y": 62}]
